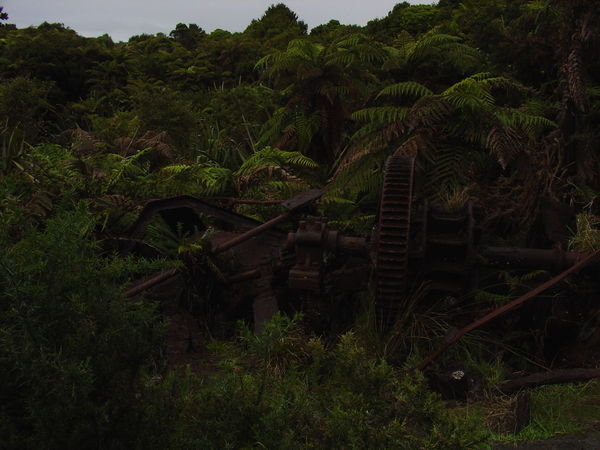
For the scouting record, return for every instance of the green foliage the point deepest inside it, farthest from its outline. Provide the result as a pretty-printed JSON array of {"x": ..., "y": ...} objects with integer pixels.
[
  {"x": 273, "y": 157},
  {"x": 445, "y": 131},
  {"x": 231, "y": 122},
  {"x": 414, "y": 19},
  {"x": 587, "y": 236},
  {"x": 72, "y": 350},
  {"x": 12, "y": 149},
  {"x": 434, "y": 56},
  {"x": 319, "y": 83},
  {"x": 197, "y": 179},
  {"x": 24, "y": 107},
  {"x": 283, "y": 389},
  {"x": 188, "y": 35},
  {"x": 561, "y": 410},
  {"x": 163, "y": 109},
  {"x": 277, "y": 26},
  {"x": 407, "y": 88}
]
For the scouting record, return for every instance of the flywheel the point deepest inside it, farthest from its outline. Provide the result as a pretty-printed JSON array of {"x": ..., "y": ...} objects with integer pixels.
[{"x": 391, "y": 260}]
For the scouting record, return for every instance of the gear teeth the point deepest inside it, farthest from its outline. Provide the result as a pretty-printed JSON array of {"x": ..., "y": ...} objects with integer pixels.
[{"x": 394, "y": 233}]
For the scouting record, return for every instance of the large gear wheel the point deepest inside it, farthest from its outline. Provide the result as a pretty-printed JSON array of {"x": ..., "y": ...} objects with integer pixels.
[{"x": 391, "y": 263}]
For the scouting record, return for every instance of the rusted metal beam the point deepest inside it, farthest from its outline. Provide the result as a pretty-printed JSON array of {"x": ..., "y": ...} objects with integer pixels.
[
  {"x": 301, "y": 200},
  {"x": 164, "y": 276},
  {"x": 244, "y": 276},
  {"x": 508, "y": 307},
  {"x": 552, "y": 377},
  {"x": 233, "y": 200},
  {"x": 531, "y": 257},
  {"x": 149, "y": 283},
  {"x": 251, "y": 233},
  {"x": 292, "y": 205},
  {"x": 154, "y": 207}
]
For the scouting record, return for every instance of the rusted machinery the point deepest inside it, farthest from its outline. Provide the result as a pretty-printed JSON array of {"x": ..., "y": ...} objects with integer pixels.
[{"x": 411, "y": 239}]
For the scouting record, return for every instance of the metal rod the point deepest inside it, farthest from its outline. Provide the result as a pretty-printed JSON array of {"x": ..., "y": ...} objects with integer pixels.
[
  {"x": 552, "y": 377},
  {"x": 248, "y": 275},
  {"x": 150, "y": 282},
  {"x": 508, "y": 307},
  {"x": 531, "y": 257},
  {"x": 242, "y": 201},
  {"x": 251, "y": 233}
]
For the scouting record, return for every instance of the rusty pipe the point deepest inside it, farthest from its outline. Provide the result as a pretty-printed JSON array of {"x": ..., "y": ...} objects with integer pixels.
[
  {"x": 589, "y": 258},
  {"x": 149, "y": 283},
  {"x": 532, "y": 257},
  {"x": 251, "y": 233},
  {"x": 243, "y": 276}
]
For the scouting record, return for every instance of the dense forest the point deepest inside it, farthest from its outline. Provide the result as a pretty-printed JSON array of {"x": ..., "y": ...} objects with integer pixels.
[{"x": 497, "y": 103}]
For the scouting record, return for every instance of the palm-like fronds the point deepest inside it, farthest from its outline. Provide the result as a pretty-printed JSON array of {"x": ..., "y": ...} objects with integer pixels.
[
  {"x": 407, "y": 88},
  {"x": 318, "y": 82},
  {"x": 434, "y": 48},
  {"x": 274, "y": 157},
  {"x": 380, "y": 114},
  {"x": 200, "y": 179},
  {"x": 442, "y": 130}
]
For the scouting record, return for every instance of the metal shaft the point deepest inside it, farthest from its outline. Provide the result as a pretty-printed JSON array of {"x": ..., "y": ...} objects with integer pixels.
[{"x": 250, "y": 234}]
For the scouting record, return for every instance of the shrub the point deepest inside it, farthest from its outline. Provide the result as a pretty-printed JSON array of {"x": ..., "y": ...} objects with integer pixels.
[
  {"x": 71, "y": 349},
  {"x": 283, "y": 389}
]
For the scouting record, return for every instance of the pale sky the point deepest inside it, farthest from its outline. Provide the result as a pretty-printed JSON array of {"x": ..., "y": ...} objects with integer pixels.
[{"x": 124, "y": 18}]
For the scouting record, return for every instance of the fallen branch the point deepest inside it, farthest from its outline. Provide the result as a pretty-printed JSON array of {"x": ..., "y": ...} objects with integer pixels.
[
  {"x": 508, "y": 307},
  {"x": 553, "y": 377}
]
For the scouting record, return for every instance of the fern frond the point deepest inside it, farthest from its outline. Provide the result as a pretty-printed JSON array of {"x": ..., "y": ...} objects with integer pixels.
[
  {"x": 380, "y": 115},
  {"x": 215, "y": 180},
  {"x": 330, "y": 199},
  {"x": 367, "y": 130},
  {"x": 445, "y": 174},
  {"x": 574, "y": 69},
  {"x": 443, "y": 48},
  {"x": 270, "y": 156},
  {"x": 360, "y": 223},
  {"x": 503, "y": 143},
  {"x": 407, "y": 88},
  {"x": 178, "y": 169},
  {"x": 469, "y": 94},
  {"x": 593, "y": 91},
  {"x": 125, "y": 165},
  {"x": 532, "y": 125},
  {"x": 361, "y": 176},
  {"x": 533, "y": 275},
  {"x": 490, "y": 297},
  {"x": 429, "y": 112}
]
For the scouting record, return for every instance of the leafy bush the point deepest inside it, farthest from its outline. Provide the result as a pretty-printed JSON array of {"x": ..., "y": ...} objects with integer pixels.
[
  {"x": 24, "y": 106},
  {"x": 283, "y": 389},
  {"x": 71, "y": 349}
]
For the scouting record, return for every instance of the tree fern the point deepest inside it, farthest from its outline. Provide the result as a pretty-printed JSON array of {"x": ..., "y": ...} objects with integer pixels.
[
  {"x": 317, "y": 82},
  {"x": 197, "y": 179},
  {"x": 378, "y": 115},
  {"x": 532, "y": 125},
  {"x": 446, "y": 172},
  {"x": 471, "y": 93},
  {"x": 361, "y": 176},
  {"x": 122, "y": 166},
  {"x": 434, "y": 48},
  {"x": 465, "y": 112},
  {"x": 407, "y": 88},
  {"x": 275, "y": 157}
]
